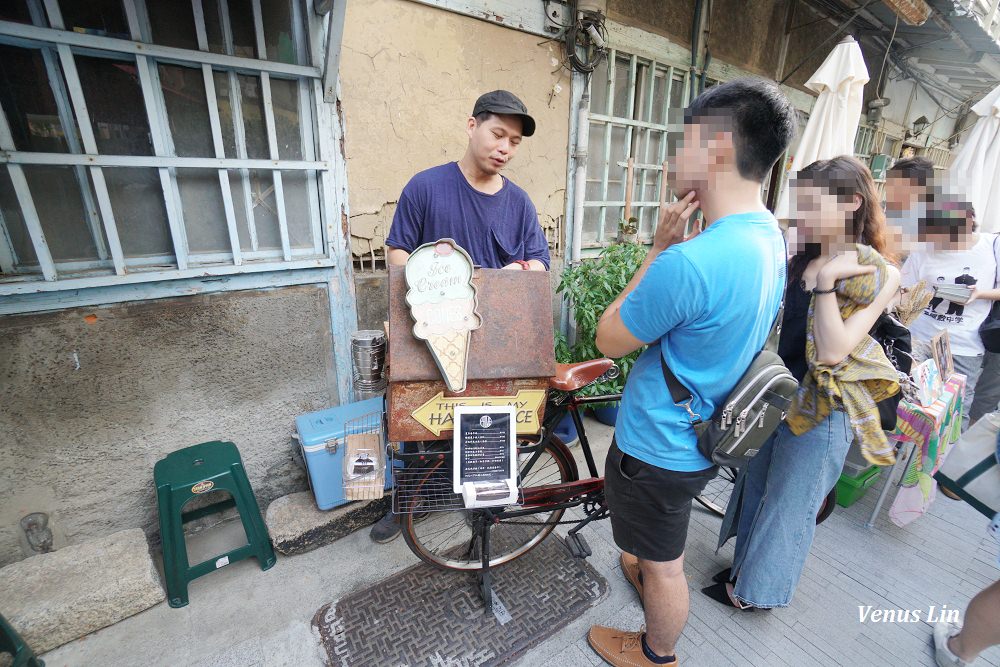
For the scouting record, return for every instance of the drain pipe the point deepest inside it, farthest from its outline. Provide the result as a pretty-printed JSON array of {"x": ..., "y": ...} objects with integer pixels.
[
  {"x": 697, "y": 26},
  {"x": 567, "y": 323},
  {"x": 580, "y": 175}
]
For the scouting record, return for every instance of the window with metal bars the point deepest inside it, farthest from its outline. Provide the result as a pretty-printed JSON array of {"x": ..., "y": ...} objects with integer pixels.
[
  {"x": 152, "y": 140},
  {"x": 872, "y": 140},
  {"x": 632, "y": 106}
]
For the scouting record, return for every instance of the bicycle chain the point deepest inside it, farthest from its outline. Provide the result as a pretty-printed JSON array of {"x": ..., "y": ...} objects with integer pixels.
[
  {"x": 537, "y": 523},
  {"x": 545, "y": 523}
]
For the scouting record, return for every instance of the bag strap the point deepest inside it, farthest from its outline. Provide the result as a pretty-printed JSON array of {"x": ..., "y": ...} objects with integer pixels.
[
  {"x": 996, "y": 261},
  {"x": 977, "y": 470},
  {"x": 682, "y": 397}
]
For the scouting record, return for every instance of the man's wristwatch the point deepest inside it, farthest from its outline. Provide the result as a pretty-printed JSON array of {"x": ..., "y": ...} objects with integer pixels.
[{"x": 524, "y": 265}]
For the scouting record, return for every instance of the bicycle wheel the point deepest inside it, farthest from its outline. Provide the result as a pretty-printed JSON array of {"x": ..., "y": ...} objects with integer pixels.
[
  {"x": 715, "y": 497},
  {"x": 826, "y": 509},
  {"x": 450, "y": 539}
]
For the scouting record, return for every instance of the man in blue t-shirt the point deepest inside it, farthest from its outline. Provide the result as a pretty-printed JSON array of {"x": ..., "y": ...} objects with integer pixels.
[
  {"x": 705, "y": 303},
  {"x": 471, "y": 202}
]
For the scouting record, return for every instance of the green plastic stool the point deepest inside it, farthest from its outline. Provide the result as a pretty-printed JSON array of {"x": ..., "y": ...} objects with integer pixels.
[
  {"x": 11, "y": 642},
  {"x": 185, "y": 474}
]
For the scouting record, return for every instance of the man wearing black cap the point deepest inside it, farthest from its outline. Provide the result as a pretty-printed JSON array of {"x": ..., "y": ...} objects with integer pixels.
[{"x": 470, "y": 202}]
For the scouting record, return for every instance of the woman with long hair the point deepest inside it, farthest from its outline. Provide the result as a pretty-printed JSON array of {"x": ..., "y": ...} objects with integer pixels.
[{"x": 839, "y": 282}]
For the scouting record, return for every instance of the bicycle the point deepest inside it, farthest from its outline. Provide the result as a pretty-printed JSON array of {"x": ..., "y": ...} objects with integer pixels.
[{"x": 440, "y": 531}]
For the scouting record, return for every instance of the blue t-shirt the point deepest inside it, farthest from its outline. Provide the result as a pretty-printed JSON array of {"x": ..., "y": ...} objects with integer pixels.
[
  {"x": 708, "y": 305},
  {"x": 495, "y": 229}
]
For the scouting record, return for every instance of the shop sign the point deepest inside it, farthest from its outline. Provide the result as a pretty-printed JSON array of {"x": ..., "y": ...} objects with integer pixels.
[
  {"x": 442, "y": 301},
  {"x": 438, "y": 414}
]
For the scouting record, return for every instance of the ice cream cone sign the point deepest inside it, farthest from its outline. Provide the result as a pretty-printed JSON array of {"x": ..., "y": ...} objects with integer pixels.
[{"x": 442, "y": 301}]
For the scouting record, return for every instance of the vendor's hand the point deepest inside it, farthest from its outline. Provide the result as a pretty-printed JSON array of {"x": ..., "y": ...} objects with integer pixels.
[
  {"x": 975, "y": 295},
  {"x": 673, "y": 220},
  {"x": 515, "y": 266},
  {"x": 840, "y": 267}
]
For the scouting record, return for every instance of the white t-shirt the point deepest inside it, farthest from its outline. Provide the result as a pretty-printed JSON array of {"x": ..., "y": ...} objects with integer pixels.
[
  {"x": 975, "y": 266},
  {"x": 907, "y": 219}
]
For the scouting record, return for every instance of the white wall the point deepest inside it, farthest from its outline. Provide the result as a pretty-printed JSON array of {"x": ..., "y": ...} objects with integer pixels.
[{"x": 896, "y": 117}]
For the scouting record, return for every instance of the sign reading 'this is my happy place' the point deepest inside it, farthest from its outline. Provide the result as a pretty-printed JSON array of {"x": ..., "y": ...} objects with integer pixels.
[{"x": 442, "y": 301}]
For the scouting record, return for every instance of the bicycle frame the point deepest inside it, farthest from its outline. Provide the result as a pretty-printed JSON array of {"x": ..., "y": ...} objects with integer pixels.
[
  {"x": 550, "y": 497},
  {"x": 535, "y": 500},
  {"x": 562, "y": 496}
]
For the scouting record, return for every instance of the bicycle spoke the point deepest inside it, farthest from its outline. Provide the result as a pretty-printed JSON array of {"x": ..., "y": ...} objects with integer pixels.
[
  {"x": 459, "y": 524},
  {"x": 532, "y": 480},
  {"x": 471, "y": 550},
  {"x": 446, "y": 541},
  {"x": 447, "y": 536},
  {"x": 715, "y": 496},
  {"x": 442, "y": 523},
  {"x": 554, "y": 475}
]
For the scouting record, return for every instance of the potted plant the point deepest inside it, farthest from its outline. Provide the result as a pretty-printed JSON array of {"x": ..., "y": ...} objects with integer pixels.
[
  {"x": 591, "y": 286},
  {"x": 629, "y": 229}
]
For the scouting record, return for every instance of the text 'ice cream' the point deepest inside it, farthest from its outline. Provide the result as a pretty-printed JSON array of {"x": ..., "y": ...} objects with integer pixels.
[{"x": 442, "y": 302}]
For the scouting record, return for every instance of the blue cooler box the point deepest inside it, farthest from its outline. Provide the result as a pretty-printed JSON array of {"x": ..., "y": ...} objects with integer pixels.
[{"x": 322, "y": 437}]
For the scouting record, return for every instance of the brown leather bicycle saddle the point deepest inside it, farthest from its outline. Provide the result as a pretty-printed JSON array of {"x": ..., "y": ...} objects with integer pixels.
[{"x": 570, "y": 377}]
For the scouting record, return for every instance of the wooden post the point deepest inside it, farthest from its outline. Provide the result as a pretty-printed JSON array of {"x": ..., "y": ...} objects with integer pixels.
[
  {"x": 663, "y": 195},
  {"x": 628, "y": 188},
  {"x": 663, "y": 185}
]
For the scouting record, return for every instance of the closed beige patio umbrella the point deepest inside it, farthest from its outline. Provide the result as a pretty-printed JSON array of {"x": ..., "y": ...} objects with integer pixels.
[
  {"x": 833, "y": 122},
  {"x": 976, "y": 169}
]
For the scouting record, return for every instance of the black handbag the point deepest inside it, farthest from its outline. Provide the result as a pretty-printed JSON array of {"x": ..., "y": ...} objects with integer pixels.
[
  {"x": 895, "y": 341},
  {"x": 989, "y": 330}
]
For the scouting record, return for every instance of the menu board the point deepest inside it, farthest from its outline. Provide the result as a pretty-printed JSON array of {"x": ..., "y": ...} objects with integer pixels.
[{"x": 484, "y": 444}]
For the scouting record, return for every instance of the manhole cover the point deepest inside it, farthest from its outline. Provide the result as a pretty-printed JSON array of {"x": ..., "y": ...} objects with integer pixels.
[{"x": 426, "y": 616}]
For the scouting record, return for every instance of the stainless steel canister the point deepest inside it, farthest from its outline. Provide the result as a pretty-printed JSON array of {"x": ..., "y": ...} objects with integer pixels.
[{"x": 368, "y": 361}]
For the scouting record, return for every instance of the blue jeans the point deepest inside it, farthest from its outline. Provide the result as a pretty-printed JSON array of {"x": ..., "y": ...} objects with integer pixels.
[{"x": 784, "y": 485}]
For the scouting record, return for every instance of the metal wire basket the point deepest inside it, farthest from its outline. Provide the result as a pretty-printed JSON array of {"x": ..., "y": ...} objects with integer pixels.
[{"x": 422, "y": 482}]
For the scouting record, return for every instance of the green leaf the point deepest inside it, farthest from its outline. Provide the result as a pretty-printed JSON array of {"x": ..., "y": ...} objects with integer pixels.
[{"x": 591, "y": 286}]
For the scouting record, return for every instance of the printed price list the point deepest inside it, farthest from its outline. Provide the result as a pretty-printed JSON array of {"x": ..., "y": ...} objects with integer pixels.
[{"x": 485, "y": 445}]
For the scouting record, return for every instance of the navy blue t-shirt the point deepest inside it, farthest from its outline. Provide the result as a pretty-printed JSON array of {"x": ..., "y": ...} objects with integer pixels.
[{"x": 495, "y": 229}]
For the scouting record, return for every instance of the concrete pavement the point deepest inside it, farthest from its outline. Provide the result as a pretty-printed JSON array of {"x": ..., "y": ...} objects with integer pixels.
[{"x": 243, "y": 617}]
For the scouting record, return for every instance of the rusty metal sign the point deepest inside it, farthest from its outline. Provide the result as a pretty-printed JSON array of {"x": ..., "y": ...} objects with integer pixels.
[
  {"x": 511, "y": 352},
  {"x": 424, "y": 410},
  {"x": 442, "y": 301},
  {"x": 514, "y": 341},
  {"x": 438, "y": 413}
]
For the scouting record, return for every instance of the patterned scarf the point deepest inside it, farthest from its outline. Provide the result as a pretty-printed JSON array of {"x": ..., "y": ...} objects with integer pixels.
[{"x": 859, "y": 381}]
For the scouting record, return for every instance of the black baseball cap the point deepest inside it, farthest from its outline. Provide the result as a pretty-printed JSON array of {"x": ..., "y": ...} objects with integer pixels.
[{"x": 505, "y": 102}]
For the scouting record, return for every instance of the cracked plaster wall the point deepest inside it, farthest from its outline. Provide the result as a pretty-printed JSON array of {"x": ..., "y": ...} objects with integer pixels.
[
  {"x": 409, "y": 75},
  {"x": 91, "y": 398}
]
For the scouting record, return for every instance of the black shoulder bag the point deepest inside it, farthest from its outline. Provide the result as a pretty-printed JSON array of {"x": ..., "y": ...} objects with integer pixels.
[
  {"x": 895, "y": 341},
  {"x": 750, "y": 413},
  {"x": 989, "y": 330}
]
